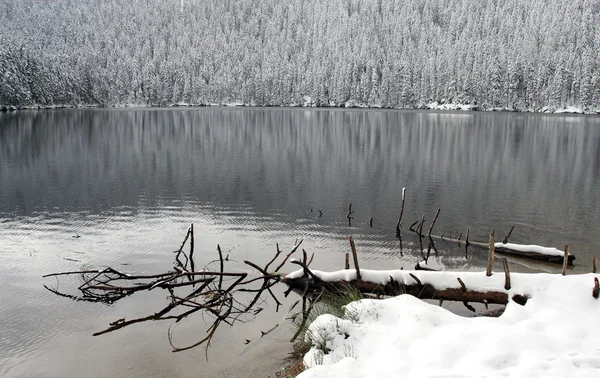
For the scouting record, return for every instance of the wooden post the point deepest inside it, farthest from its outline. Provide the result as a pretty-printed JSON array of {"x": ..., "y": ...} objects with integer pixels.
[
  {"x": 565, "y": 261},
  {"x": 467, "y": 238},
  {"x": 488, "y": 271},
  {"x": 401, "y": 211},
  {"x": 594, "y": 265},
  {"x": 355, "y": 257},
  {"x": 506, "y": 275},
  {"x": 347, "y": 263}
]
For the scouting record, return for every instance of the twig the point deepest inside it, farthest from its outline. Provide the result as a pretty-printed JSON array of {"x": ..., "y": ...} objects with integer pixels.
[
  {"x": 307, "y": 272},
  {"x": 468, "y": 306},
  {"x": 312, "y": 256},
  {"x": 505, "y": 240},
  {"x": 437, "y": 213},
  {"x": 264, "y": 333},
  {"x": 416, "y": 279},
  {"x": 412, "y": 225},
  {"x": 220, "y": 265},
  {"x": 350, "y": 212},
  {"x": 420, "y": 228},
  {"x": 192, "y": 248},
  {"x": 288, "y": 255}
]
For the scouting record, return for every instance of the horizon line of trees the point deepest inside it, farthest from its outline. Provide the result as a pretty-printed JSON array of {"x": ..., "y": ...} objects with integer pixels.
[{"x": 515, "y": 54}]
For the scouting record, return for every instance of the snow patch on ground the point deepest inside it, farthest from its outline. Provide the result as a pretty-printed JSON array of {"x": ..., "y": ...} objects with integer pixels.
[
  {"x": 570, "y": 109},
  {"x": 554, "y": 335},
  {"x": 451, "y": 106}
]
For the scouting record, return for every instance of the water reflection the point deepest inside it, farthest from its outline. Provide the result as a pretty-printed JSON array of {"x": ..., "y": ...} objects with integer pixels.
[
  {"x": 483, "y": 169},
  {"x": 130, "y": 182}
]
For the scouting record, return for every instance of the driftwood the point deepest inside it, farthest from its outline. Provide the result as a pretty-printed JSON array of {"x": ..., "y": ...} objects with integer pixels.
[
  {"x": 208, "y": 292},
  {"x": 311, "y": 282},
  {"x": 536, "y": 256},
  {"x": 498, "y": 248},
  {"x": 417, "y": 289}
]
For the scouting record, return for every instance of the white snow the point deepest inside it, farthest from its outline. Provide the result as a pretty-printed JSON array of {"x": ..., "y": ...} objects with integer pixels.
[
  {"x": 451, "y": 106},
  {"x": 570, "y": 109},
  {"x": 531, "y": 249},
  {"x": 308, "y": 102},
  {"x": 554, "y": 335},
  {"x": 521, "y": 282},
  {"x": 434, "y": 263}
]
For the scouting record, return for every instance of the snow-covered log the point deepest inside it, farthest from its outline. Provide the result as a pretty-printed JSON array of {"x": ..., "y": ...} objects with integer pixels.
[
  {"x": 453, "y": 286},
  {"x": 535, "y": 252}
]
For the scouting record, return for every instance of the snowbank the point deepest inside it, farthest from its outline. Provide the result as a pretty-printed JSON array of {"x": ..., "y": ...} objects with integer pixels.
[{"x": 554, "y": 335}]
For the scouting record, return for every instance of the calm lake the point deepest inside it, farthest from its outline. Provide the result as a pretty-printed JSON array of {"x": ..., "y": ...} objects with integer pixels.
[{"x": 119, "y": 188}]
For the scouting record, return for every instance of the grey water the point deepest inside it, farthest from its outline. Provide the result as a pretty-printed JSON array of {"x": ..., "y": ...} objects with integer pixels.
[{"x": 119, "y": 187}]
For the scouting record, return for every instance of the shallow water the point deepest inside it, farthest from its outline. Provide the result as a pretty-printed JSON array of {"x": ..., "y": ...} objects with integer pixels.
[{"x": 129, "y": 183}]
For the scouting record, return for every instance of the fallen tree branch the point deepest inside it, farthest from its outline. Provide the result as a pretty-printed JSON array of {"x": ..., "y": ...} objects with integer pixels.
[{"x": 212, "y": 292}]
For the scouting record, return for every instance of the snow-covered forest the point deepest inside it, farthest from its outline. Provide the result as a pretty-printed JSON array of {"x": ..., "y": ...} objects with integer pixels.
[{"x": 516, "y": 54}]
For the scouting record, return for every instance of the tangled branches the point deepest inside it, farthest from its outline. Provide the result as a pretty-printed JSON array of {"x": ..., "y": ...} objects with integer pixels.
[{"x": 191, "y": 291}]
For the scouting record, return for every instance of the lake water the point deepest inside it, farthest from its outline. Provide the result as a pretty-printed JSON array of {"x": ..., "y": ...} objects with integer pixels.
[{"x": 129, "y": 183}]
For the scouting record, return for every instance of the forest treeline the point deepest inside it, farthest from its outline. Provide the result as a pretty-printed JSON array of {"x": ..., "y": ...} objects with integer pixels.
[{"x": 515, "y": 54}]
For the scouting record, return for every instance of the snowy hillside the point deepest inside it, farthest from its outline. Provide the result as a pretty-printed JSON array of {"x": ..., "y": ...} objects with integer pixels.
[{"x": 499, "y": 54}]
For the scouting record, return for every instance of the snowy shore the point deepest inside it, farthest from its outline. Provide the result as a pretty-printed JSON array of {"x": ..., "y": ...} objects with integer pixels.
[
  {"x": 309, "y": 103},
  {"x": 554, "y": 335}
]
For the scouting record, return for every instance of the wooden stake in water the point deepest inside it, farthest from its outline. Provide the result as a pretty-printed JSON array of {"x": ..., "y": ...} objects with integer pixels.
[
  {"x": 565, "y": 261},
  {"x": 355, "y": 257},
  {"x": 491, "y": 255},
  {"x": 401, "y": 211},
  {"x": 506, "y": 275},
  {"x": 347, "y": 262},
  {"x": 192, "y": 248},
  {"x": 594, "y": 265}
]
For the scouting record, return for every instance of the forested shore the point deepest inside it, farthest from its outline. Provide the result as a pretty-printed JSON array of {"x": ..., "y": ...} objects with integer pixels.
[{"x": 514, "y": 55}]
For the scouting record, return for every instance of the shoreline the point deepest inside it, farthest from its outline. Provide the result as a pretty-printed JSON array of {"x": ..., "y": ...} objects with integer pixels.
[{"x": 451, "y": 107}]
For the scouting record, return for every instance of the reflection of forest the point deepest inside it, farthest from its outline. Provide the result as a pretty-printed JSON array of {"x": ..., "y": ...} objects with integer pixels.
[{"x": 518, "y": 167}]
